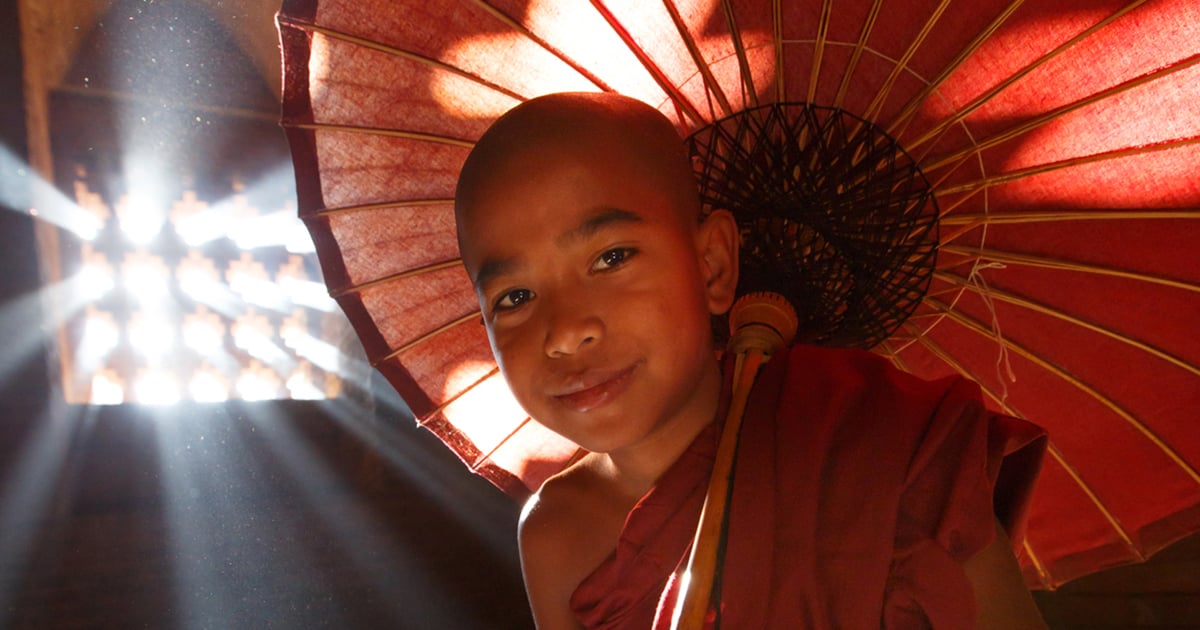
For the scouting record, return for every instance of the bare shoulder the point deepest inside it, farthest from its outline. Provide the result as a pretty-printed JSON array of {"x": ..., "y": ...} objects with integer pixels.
[{"x": 566, "y": 531}]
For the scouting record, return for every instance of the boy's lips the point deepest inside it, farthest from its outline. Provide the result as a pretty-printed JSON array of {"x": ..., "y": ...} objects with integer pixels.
[{"x": 593, "y": 389}]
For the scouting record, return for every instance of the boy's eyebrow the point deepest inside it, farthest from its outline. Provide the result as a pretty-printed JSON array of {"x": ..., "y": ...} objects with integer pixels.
[
  {"x": 598, "y": 221},
  {"x": 493, "y": 267}
]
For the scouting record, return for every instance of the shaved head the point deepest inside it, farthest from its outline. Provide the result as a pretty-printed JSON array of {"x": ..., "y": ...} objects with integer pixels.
[
  {"x": 579, "y": 226},
  {"x": 630, "y": 141}
]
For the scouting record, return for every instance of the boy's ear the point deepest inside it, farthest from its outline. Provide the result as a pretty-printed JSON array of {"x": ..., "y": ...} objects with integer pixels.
[{"x": 718, "y": 241}]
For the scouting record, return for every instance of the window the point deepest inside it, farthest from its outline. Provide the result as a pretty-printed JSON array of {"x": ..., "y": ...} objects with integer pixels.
[{"x": 169, "y": 233}]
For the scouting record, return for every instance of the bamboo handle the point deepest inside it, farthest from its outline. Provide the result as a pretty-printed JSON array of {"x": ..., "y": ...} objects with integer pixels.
[{"x": 760, "y": 323}]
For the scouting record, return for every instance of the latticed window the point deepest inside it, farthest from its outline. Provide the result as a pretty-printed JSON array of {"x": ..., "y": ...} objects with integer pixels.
[{"x": 168, "y": 230}]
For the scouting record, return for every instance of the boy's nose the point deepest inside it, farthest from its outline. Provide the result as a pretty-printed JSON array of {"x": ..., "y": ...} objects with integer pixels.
[{"x": 571, "y": 330}]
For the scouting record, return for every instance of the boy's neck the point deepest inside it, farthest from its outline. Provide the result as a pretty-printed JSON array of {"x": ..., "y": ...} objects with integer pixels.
[{"x": 635, "y": 469}]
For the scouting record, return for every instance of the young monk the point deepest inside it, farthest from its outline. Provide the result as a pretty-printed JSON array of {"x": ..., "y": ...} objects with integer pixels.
[{"x": 863, "y": 497}]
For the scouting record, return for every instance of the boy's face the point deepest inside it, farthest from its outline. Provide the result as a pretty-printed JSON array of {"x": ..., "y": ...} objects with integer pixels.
[{"x": 595, "y": 289}]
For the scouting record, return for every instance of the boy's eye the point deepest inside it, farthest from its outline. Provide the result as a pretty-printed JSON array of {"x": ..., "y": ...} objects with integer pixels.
[
  {"x": 613, "y": 258},
  {"x": 513, "y": 299}
]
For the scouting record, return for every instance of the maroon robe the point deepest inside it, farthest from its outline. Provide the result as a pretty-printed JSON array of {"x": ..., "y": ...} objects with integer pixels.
[{"x": 859, "y": 491}]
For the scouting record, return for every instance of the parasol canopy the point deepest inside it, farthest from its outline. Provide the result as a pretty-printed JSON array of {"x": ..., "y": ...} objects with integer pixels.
[{"x": 1037, "y": 163}]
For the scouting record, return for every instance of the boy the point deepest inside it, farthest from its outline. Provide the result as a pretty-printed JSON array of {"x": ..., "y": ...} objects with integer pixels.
[{"x": 578, "y": 224}]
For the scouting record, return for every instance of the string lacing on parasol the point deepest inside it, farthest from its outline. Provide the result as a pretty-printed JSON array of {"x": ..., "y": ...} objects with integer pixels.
[
  {"x": 833, "y": 214},
  {"x": 1003, "y": 365}
]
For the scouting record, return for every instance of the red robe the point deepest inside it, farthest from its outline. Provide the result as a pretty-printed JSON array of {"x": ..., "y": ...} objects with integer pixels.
[{"x": 859, "y": 491}]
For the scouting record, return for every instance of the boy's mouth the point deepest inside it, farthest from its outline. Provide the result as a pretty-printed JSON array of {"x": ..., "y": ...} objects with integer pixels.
[{"x": 592, "y": 390}]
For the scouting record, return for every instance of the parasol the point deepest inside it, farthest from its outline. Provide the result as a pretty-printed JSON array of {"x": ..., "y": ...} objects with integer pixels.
[{"x": 1041, "y": 163}]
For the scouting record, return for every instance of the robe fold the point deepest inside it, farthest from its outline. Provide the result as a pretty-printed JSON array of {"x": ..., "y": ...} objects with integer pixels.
[{"x": 859, "y": 491}]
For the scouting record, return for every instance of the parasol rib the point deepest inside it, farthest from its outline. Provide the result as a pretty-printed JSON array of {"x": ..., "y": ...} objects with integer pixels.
[
  {"x": 777, "y": 28},
  {"x": 380, "y": 205},
  {"x": 397, "y": 52},
  {"x": 974, "y": 220},
  {"x": 885, "y": 90},
  {"x": 1043, "y": 575},
  {"x": 1005, "y": 296},
  {"x": 508, "y": 21},
  {"x": 400, "y": 275},
  {"x": 677, "y": 98},
  {"x": 484, "y": 457},
  {"x": 710, "y": 81},
  {"x": 1086, "y": 488},
  {"x": 424, "y": 420},
  {"x": 906, "y": 113},
  {"x": 1091, "y": 494},
  {"x": 749, "y": 93},
  {"x": 1004, "y": 178},
  {"x": 814, "y": 76},
  {"x": 982, "y": 99},
  {"x": 1034, "y": 123},
  {"x": 472, "y": 316},
  {"x": 381, "y": 131},
  {"x": 893, "y": 355},
  {"x": 974, "y": 326},
  {"x": 1051, "y": 263},
  {"x": 859, "y": 47}
]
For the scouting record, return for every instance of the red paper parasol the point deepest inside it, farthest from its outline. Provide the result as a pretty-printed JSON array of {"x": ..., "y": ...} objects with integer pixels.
[{"x": 1056, "y": 147}]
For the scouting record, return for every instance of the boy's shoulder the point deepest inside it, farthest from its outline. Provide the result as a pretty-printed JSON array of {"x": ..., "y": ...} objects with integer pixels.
[{"x": 570, "y": 526}]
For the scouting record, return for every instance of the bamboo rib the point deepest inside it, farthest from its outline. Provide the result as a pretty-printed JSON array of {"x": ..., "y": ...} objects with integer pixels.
[
  {"x": 885, "y": 90},
  {"x": 777, "y": 25},
  {"x": 381, "y": 131},
  {"x": 814, "y": 76},
  {"x": 1113, "y": 522},
  {"x": 982, "y": 99},
  {"x": 469, "y": 317},
  {"x": 893, "y": 356},
  {"x": 906, "y": 113},
  {"x": 401, "y": 275},
  {"x": 423, "y": 420},
  {"x": 973, "y": 325},
  {"x": 1006, "y": 218},
  {"x": 936, "y": 350},
  {"x": 1051, "y": 263},
  {"x": 406, "y": 203},
  {"x": 1095, "y": 499},
  {"x": 750, "y": 93},
  {"x": 856, "y": 55},
  {"x": 484, "y": 457},
  {"x": 1038, "y": 121},
  {"x": 958, "y": 231},
  {"x": 391, "y": 50},
  {"x": 1010, "y": 176},
  {"x": 714, "y": 88},
  {"x": 1043, "y": 576},
  {"x": 1005, "y": 296},
  {"x": 508, "y": 21},
  {"x": 677, "y": 98}
]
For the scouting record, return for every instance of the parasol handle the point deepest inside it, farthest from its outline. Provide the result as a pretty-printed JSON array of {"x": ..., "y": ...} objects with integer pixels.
[{"x": 760, "y": 323}]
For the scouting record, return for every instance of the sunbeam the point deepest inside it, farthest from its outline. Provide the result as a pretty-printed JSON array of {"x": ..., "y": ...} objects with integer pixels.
[
  {"x": 24, "y": 191},
  {"x": 28, "y": 491}
]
